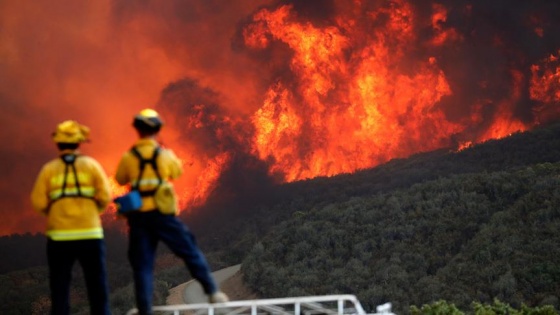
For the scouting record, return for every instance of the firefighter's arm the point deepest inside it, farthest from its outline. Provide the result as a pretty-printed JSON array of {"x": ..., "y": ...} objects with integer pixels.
[
  {"x": 122, "y": 176},
  {"x": 102, "y": 190},
  {"x": 175, "y": 165},
  {"x": 39, "y": 193}
]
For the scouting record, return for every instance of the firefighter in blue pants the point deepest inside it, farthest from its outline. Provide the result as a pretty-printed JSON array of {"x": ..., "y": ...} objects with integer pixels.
[
  {"x": 72, "y": 190},
  {"x": 148, "y": 168}
]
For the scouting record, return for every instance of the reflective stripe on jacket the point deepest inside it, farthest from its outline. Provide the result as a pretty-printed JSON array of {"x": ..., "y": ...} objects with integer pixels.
[
  {"x": 84, "y": 192},
  {"x": 78, "y": 234},
  {"x": 169, "y": 167},
  {"x": 72, "y": 216}
]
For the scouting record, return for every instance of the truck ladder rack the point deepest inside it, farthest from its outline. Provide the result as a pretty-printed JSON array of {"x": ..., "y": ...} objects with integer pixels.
[{"x": 309, "y": 305}]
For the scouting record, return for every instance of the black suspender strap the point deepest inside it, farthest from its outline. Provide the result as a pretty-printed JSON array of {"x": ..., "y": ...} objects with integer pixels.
[
  {"x": 143, "y": 162},
  {"x": 69, "y": 160}
]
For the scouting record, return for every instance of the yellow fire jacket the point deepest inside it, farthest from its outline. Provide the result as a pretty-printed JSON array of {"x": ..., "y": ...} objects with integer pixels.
[
  {"x": 72, "y": 217},
  {"x": 169, "y": 167}
]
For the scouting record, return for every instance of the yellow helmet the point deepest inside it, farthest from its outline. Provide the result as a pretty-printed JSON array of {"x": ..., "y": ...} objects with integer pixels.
[
  {"x": 70, "y": 131},
  {"x": 147, "y": 120}
]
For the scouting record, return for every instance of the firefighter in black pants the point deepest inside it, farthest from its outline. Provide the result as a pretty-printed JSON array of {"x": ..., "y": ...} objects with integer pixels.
[{"x": 72, "y": 190}]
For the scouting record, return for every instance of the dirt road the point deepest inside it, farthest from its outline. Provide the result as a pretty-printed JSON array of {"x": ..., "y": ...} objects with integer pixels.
[{"x": 229, "y": 279}]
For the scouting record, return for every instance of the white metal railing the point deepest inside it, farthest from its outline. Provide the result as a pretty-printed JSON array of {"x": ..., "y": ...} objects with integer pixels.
[{"x": 310, "y": 305}]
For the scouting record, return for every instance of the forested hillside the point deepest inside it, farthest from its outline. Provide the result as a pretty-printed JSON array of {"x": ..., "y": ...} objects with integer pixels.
[
  {"x": 461, "y": 238},
  {"x": 469, "y": 226}
]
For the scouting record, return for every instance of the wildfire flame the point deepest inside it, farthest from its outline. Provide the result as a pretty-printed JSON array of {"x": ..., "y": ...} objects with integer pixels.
[
  {"x": 205, "y": 182},
  {"x": 354, "y": 105},
  {"x": 359, "y": 92}
]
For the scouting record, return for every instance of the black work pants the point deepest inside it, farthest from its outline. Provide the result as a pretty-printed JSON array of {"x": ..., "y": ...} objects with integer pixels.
[{"x": 90, "y": 254}]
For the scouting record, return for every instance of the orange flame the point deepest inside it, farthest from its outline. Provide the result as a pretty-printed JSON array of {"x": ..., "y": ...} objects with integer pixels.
[
  {"x": 206, "y": 182},
  {"x": 360, "y": 95},
  {"x": 346, "y": 115}
]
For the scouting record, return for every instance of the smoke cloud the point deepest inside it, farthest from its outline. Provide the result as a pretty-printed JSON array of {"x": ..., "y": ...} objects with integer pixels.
[{"x": 100, "y": 63}]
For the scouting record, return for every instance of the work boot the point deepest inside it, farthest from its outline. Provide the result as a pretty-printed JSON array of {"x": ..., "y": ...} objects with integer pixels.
[{"x": 218, "y": 297}]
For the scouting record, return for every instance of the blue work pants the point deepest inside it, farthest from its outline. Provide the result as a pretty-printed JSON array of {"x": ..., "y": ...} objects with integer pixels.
[{"x": 146, "y": 229}]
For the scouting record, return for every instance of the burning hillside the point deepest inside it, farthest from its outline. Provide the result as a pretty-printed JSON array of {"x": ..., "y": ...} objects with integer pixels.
[{"x": 351, "y": 85}]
